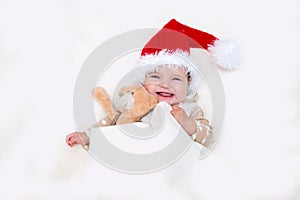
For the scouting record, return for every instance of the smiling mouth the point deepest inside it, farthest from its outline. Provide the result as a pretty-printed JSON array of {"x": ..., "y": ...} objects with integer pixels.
[{"x": 165, "y": 94}]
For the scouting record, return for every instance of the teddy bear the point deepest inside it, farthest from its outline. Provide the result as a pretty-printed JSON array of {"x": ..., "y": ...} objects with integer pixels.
[{"x": 133, "y": 102}]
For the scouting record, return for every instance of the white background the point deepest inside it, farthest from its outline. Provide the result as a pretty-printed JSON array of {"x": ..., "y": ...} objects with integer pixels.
[{"x": 43, "y": 45}]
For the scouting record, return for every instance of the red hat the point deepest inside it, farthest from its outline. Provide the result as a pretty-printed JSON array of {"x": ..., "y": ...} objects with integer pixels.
[
  {"x": 171, "y": 46},
  {"x": 176, "y": 38}
]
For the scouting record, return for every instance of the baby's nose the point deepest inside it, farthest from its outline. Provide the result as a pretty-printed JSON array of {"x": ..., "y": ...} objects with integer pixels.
[{"x": 165, "y": 84}]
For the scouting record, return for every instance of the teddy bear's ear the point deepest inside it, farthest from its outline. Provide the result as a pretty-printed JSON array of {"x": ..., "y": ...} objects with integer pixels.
[{"x": 128, "y": 89}]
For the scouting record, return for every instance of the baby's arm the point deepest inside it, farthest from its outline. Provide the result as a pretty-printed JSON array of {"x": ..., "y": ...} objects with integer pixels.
[
  {"x": 81, "y": 137},
  {"x": 187, "y": 123},
  {"x": 204, "y": 132},
  {"x": 195, "y": 125}
]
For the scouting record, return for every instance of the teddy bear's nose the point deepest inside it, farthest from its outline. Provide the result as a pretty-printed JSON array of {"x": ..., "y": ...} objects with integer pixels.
[{"x": 126, "y": 101}]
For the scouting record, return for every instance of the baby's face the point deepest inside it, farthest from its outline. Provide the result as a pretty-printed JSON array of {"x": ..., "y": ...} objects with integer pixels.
[{"x": 168, "y": 84}]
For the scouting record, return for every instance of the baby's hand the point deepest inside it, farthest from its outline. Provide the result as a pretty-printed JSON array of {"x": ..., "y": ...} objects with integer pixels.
[
  {"x": 77, "y": 138},
  {"x": 184, "y": 120},
  {"x": 179, "y": 114}
]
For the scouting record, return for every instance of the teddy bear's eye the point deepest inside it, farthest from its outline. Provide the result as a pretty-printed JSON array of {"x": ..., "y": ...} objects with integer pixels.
[{"x": 132, "y": 93}]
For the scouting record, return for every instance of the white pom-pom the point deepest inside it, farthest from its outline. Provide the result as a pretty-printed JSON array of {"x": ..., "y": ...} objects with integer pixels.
[{"x": 225, "y": 54}]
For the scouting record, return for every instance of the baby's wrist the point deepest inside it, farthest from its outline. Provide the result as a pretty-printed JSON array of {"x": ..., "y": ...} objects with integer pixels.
[
  {"x": 191, "y": 126},
  {"x": 203, "y": 132}
]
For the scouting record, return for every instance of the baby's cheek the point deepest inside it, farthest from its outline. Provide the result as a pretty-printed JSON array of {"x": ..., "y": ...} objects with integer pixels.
[{"x": 149, "y": 88}]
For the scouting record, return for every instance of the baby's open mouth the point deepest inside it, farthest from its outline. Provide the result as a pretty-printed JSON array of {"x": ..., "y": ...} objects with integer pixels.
[{"x": 165, "y": 94}]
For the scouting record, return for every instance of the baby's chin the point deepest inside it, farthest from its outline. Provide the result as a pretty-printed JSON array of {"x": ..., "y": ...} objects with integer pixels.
[{"x": 168, "y": 101}]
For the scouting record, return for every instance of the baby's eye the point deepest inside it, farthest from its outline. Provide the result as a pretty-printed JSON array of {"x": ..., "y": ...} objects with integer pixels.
[
  {"x": 176, "y": 79},
  {"x": 154, "y": 76}
]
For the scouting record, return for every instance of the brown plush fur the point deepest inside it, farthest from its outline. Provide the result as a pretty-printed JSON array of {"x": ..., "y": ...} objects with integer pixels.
[{"x": 136, "y": 102}]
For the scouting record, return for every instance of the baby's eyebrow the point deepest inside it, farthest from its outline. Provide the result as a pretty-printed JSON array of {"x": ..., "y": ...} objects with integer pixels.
[
  {"x": 151, "y": 73},
  {"x": 180, "y": 75}
]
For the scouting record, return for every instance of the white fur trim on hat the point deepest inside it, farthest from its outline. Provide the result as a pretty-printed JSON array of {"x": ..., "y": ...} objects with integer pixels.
[{"x": 178, "y": 58}]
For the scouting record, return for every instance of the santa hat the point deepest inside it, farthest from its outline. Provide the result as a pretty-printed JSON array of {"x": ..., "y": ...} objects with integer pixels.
[{"x": 172, "y": 44}]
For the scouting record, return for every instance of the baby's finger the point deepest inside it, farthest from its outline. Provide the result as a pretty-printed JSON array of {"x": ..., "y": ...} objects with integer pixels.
[
  {"x": 175, "y": 107},
  {"x": 71, "y": 138},
  {"x": 175, "y": 111},
  {"x": 71, "y": 141},
  {"x": 74, "y": 140},
  {"x": 68, "y": 138}
]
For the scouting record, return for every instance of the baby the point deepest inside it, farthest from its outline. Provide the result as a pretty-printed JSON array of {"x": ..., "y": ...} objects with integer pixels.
[
  {"x": 170, "y": 84},
  {"x": 172, "y": 79}
]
